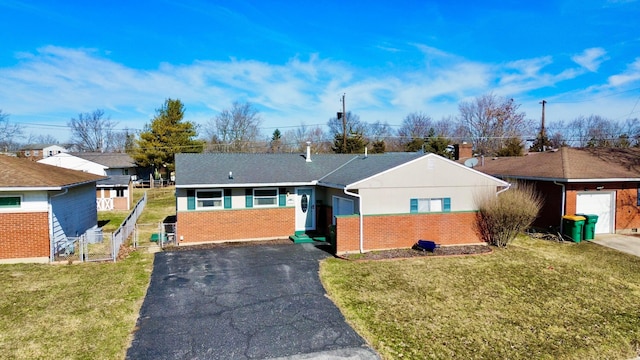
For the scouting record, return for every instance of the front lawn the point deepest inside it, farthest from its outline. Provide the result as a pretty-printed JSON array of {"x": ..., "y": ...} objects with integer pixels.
[
  {"x": 79, "y": 311},
  {"x": 536, "y": 299},
  {"x": 82, "y": 310}
]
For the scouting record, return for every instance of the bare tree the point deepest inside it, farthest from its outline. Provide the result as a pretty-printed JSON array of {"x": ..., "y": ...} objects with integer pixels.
[
  {"x": 490, "y": 120},
  {"x": 9, "y": 133},
  {"x": 122, "y": 141},
  {"x": 92, "y": 131},
  {"x": 596, "y": 131},
  {"x": 414, "y": 130},
  {"x": 296, "y": 139},
  {"x": 415, "y": 125},
  {"x": 42, "y": 139},
  {"x": 238, "y": 127}
]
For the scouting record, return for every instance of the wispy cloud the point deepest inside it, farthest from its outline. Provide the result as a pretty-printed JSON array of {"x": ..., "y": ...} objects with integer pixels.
[
  {"x": 631, "y": 74},
  {"x": 302, "y": 90},
  {"x": 591, "y": 58}
]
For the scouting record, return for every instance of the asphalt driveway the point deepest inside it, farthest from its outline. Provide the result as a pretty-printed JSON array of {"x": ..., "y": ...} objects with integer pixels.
[{"x": 251, "y": 302}]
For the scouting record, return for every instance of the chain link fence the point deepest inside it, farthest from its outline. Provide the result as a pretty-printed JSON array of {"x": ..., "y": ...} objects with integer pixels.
[{"x": 96, "y": 245}]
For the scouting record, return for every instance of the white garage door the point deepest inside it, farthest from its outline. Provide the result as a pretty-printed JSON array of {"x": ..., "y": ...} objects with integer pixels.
[{"x": 601, "y": 204}]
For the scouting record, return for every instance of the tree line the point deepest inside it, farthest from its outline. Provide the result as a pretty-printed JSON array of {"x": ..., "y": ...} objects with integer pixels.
[{"x": 494, "y": 125}]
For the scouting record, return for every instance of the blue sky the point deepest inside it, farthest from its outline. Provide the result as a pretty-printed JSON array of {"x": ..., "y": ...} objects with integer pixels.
[{"x": 294, "y": 60}]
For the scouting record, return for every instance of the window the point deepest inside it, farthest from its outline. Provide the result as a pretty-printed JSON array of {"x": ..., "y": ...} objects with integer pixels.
[
  {"x": 10, "y": 202},
  {"x": 36, "y": 153},
  {"x": 430, "y": 205},
  {"x": 119, "y": 192},
  {"x": 341, "y": 206},
  {"x": 50, "y": 153},
  {"x": 27, "y": 153},
  {"x": 209, "y": 199},
  {"x": 265, "y": 197}
]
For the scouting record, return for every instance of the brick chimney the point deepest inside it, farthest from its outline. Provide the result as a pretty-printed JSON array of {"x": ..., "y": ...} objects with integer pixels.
[{"x": 463, "y": 151}]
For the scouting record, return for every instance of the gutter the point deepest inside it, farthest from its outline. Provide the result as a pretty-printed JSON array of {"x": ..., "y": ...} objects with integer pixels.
[
  {"x": 361, "y": 217},
  {"x": 51, "y": 245},
  {"x": 564, "y": 192}
]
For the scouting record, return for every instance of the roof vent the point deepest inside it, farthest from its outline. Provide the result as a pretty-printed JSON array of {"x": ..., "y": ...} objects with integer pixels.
[
  {"x": 230, "y": 175},
  {"x": 308, "y": 151}
]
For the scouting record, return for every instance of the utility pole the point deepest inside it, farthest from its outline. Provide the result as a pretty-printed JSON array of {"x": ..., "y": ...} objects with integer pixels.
[
  {"x": 542, "y": 131},
  {"x": 344, "y": 125}
]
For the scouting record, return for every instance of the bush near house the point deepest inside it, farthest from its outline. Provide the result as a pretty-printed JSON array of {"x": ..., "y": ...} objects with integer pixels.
[{"x": 503, "y": 217}]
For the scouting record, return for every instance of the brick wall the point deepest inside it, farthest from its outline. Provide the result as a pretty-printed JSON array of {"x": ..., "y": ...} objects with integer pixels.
[
  {"x": 627, "y": 212},
  {"x": 24, "y": 235},
  {"x": 404, "y": 230},
  {"x": 221, "y": 225}
]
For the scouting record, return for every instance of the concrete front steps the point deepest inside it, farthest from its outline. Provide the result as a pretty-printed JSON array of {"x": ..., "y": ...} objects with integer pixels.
[{"x": 301, "y": 237}]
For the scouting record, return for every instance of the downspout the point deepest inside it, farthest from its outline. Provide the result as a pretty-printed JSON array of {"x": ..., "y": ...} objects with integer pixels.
[
  {"x": 564, "y": 194},
  {"x": 505, "y": 189},
  {"x": 361, "y": 217},
  {"x": 51, "y": 254}
]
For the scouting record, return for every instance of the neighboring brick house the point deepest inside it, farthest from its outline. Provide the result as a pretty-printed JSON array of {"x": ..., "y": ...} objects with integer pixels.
[
  {"x": 601, "y": 181},
  {"x": 375, "y": 202},
  {"x": 114, "y": 192},
  {"x": 41, "y": 206},
  {"x": 35, "y": 152}
]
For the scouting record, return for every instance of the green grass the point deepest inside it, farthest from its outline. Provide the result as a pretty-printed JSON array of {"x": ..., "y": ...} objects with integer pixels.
[
  {"x": 532, "y": 300},
  {"x": 78, "y": 311}
]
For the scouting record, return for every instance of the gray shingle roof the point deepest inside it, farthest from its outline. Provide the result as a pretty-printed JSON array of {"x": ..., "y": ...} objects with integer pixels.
[
  {"x": 110, "y": 160},
  {"x": 120, "y": 180},
  {"x": 273, "y": 169},
  {"x": 214, "y": 168},
  {"x": 363, "y": 167}
]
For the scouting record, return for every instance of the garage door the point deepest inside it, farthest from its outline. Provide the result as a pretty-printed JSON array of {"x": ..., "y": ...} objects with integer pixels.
[{"x": 601, "y": 204}]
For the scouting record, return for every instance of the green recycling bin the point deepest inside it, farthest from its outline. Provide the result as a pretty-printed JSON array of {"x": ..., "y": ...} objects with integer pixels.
[
  {"x": 572, "y": 227},
  {"x": 589, "y": 230}
]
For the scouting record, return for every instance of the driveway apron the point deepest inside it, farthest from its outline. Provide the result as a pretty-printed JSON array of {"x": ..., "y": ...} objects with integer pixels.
[{"x": 250, "y": 302}]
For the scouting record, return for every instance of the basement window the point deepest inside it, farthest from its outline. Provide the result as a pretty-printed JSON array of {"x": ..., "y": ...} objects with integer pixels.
[
  {"x": 10, "y": 202},
  {"x": 265, "y": 197},
  {"x": 207, "y": 199}
]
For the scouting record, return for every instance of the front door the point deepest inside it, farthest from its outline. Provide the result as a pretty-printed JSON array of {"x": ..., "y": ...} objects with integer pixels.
[{"x": 305, "y": 209}]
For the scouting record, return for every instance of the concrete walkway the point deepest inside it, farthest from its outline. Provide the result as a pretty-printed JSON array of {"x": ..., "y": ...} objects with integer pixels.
[{"x": 624, "y": 243}]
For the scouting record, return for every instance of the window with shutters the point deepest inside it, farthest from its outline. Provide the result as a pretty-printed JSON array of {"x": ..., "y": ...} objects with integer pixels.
[
  {"x": 265, "y": 197},
  {"x": 430, "y": 205},
  {"x": 209, "y": 199}
]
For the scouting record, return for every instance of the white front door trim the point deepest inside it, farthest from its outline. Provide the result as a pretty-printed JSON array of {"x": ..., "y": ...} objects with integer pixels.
[{"x": 305, "y": 209}]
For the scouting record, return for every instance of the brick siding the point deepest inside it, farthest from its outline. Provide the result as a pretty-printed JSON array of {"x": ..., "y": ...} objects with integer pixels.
[
  {"x": 24, "y": 235},
  {"x": 223, "y": 225},
  {"x": 404, "y": 230}
]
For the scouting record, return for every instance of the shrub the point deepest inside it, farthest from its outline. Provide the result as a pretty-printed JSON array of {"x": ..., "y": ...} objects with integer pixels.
[{"x": 501, "y": 218}]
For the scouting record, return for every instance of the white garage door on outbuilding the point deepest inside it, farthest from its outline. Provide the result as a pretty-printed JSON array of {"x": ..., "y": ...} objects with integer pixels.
[{"x": 601, "y": 203}]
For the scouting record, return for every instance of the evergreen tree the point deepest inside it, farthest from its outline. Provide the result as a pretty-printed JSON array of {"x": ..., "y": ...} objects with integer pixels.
[
  {"x": 276, "y": 141},
  {"x": 355, "y": 144},
  {"x": 166, "y": 136},
  {"x": 379, "y": 147},
  {"x": 437, "y": 144}
]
